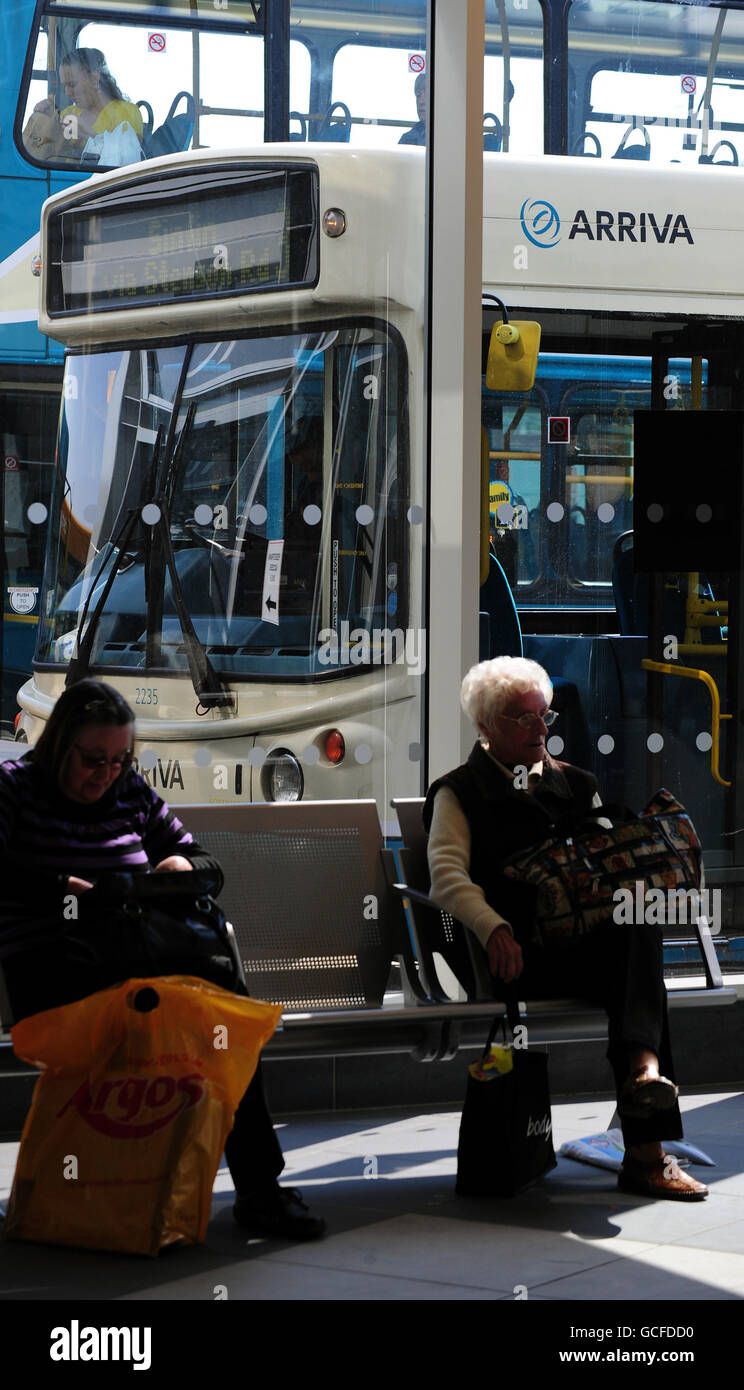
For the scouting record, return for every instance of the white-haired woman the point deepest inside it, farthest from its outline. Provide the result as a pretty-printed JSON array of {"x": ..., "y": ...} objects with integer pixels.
[{"x": 509, "y": 796}]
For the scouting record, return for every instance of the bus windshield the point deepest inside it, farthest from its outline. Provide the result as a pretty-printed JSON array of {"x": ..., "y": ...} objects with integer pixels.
[{"x": 273, "y": 468}]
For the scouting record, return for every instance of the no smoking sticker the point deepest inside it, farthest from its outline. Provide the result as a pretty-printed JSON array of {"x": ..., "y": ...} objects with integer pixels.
[
  {"x": 156, "y": 43},
  {"x": 559, "y": 429},
  {"x": 417, "y": 62},
  {"x": 689, "y": 85}
]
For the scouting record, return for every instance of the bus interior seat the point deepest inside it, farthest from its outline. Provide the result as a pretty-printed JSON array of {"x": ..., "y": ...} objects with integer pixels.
[
  {"x": 174, "y": 135},
  {"x": 492, "y": 136},
  {"x": 334, "y": 126},
  {"x": 578, "y": 147},
  {"x": 501, "y": 635},
  {"x": 631, "y": 592},
  {"x": 711, "y": 158},
  {"x": 148, "y": 121},
  {"x": 300, "y": 134},
  {"x": 626, "y": 151}
]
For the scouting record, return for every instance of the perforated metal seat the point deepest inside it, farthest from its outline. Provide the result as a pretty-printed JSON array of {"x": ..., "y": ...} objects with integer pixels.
[{"x": 306, "y": 891}]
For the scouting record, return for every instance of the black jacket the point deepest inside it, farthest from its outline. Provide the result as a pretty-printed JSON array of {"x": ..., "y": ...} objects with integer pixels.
[{"x": 504, "y": 821}]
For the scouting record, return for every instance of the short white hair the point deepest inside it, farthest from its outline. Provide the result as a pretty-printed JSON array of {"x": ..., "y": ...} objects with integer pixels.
[{"x": 492, "y": 685}]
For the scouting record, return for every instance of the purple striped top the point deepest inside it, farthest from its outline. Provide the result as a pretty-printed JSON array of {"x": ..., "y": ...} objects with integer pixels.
[{"x": 43, "y": 834}]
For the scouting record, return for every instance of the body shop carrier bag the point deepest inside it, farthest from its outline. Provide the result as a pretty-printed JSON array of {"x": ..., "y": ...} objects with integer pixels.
[{"x": 574, "y": 879}]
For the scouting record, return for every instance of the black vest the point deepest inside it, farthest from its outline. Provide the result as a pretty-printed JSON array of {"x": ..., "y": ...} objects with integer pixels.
[{"x": 503, "y": 820}]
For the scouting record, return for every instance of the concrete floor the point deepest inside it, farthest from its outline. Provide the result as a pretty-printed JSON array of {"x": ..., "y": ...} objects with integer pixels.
[{"x": 384, "y": 1181}]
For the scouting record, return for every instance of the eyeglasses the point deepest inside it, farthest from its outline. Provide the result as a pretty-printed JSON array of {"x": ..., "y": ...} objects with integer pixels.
[
  {"x": 88, "y": 760},
  {"x": 529, "y": 721}
]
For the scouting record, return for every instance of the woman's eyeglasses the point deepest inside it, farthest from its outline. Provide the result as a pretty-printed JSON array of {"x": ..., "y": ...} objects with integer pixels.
[
  {"x": 529, "y": 721},
  {"x": 88, "y": 760}
]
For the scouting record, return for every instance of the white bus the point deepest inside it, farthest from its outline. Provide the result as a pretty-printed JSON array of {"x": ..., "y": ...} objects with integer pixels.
[{"x": 240, "y": 539}]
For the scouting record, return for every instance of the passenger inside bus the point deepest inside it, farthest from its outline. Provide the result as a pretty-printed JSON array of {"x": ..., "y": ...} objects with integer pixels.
[
  {"x": 417, "y": 134},
  {"x": 477, "y": 816},
  {"x": 98, "y": 126}
]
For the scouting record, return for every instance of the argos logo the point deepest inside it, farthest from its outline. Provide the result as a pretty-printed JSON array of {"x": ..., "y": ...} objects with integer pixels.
[{"x": 133, "y": 1107}]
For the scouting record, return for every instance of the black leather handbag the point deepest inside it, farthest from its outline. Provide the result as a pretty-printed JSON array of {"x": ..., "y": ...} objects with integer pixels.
[
  {"x": 505, "y": 1139},
  {"x": 132, "y": 925}
]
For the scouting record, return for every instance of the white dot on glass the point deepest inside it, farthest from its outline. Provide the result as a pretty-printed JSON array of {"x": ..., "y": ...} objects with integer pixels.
[
  {"x": 415, "y": 515},
  {"x": 654, "y": 743},
  {"x": 90, "y": 514},
  {"x": 554, "y": 511},
  {"x": 364, "y": 515},
  {"x": 150, "y": 514},
  {"x": 703, "y": 512},
  {"x": 257, "y": 515},
  {"x": 202, "y": 514},
  {"x": 605, "y": 743},
  {"x": 147, "y": 759},
  {"x": 311, "y": 515},
  {"x": 704, "y": 742},
  {"x": 257, "y": 757},
  {"x": 415, "y": 752},
  {"x": 202, "y": 757},
  {"x": 655, "y": 512},
  {"x": 37, "y": 513},
  {"x": 505, "y": 513},
  {"x": 363, "y": 753},
  {"x": 605, "y": 512},
  {"x": 555, "y": 746},
  {"x": 310, "y": 755}
]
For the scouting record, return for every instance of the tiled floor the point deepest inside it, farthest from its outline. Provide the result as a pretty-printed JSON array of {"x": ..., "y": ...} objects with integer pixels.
[{"x": 384, "y": 1182}]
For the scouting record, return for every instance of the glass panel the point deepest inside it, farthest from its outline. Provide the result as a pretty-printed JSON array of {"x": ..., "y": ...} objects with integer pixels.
[
  {"x": 129, "y": 92},
  {"x": 248, "y": 10},
  {"x": 659, "y": 82},
  {"x": 283, "y": 519},
  {"x": 29, "y": 425},
  {"x": 561, "y": 497},
  {"x": 514, "y": 44},
  {"x": 382, "y": 84}
]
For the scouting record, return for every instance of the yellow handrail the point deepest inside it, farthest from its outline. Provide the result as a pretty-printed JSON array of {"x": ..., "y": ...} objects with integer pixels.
[{"x": 665, "y": 669}]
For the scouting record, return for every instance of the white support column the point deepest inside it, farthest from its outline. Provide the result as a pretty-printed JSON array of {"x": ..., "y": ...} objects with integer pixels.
[{"x": 456, "y": 51}]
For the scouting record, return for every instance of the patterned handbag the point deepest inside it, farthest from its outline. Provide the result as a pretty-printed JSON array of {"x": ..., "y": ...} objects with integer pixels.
[{"x": 576, "y": 879}]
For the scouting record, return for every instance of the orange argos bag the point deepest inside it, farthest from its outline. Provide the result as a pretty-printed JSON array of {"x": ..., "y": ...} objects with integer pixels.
[{"x": 129, "y": 1118}]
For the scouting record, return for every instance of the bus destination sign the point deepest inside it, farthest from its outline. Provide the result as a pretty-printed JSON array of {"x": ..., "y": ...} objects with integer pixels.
[{"x": 193, "y": 235}]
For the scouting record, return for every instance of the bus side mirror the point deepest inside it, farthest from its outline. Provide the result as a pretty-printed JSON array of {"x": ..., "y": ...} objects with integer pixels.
[{"x": 512, "y": 356}]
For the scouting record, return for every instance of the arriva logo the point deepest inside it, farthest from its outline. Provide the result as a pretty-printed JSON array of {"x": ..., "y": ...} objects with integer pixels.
[
  {"x": 540, "y": 222},
  {"x": 541, "y": 225}
]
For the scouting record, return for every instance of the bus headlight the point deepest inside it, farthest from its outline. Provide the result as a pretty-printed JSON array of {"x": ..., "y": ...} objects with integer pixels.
[{"x": 281, "y": 777}]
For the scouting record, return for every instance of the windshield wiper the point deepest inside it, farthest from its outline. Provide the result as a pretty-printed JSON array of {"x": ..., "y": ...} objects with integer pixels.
[
  {"x": 210, "y": 691},
  {"x": 79, "y": 667}
]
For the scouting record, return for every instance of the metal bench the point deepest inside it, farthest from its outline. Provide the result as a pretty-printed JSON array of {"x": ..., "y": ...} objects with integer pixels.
[{"x": 320, "y": 928}]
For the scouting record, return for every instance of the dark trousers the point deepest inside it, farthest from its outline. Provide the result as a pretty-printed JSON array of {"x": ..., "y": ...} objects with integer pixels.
[
  {"x": 620, "y": 968},
  {"x": 36, "y": 982}
]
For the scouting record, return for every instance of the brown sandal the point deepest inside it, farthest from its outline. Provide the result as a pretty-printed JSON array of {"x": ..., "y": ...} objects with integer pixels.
[
  {"x": 661, "y": 1178},
  {"x": 643, "y": 1094}
]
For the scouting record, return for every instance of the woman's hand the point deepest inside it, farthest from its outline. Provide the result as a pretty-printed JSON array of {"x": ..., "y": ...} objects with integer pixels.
[
  {"x": 174, "y": 863},
  {"x": 46, "y": 107},
  {"x": 504, "y": 955},
  {"x": 78, "y": 885}
]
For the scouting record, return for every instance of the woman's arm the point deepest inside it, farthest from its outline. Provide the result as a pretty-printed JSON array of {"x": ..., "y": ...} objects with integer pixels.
[
  {"x": 454, "y": 891},
  {"x": 171, "y": 847}
]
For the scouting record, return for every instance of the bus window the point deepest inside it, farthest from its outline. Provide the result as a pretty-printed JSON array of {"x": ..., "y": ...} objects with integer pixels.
[
  {"x": 283, "y": 519},
  {"x": 515, "y": 430},
  {"x": 104, "y": 93},
  {"x": 666, "y": 87}
]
